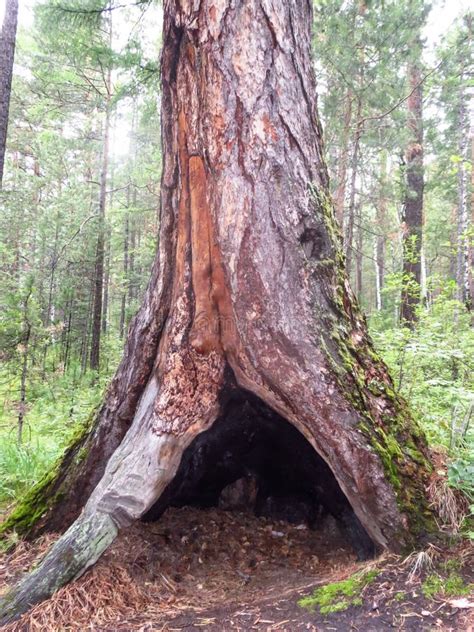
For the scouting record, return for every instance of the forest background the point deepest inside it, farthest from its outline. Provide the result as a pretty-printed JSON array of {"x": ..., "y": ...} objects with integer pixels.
[{"x": 80, "y": 200}]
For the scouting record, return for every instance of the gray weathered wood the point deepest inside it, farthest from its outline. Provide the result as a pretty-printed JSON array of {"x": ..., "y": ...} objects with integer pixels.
[{"x": 249, "y": 280}]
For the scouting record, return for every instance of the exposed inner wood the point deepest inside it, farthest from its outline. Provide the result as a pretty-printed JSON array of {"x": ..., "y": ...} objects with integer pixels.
[{"x": 248, "y": 293}]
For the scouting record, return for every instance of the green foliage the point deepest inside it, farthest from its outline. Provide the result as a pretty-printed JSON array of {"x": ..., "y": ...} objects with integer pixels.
[
  {"x": 57, "y": 406},
  {"x": 49, "y": 223},
  {"x": 21, "y": 466},
  {"x": 461, "y": 475},
  {"x": 451, "y": 586},
  {"x": 340, "y": 595},
  {"x": 433, "y": 366}
]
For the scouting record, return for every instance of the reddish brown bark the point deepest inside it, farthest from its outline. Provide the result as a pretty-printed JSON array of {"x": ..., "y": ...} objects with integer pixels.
[{"x": 247, "y": 294}]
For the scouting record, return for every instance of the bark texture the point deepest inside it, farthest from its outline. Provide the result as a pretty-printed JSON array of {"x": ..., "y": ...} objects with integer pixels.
[
  {"x": 412, "y": 228},
  {"x": 249, "y": 282},
  {"x": 7, "y": 54},
  {"x": 380, "y": 238},
  {"x": 99, "y": 305}
]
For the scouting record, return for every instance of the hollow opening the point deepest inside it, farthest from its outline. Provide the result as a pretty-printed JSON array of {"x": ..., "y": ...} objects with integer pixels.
[{"x": 253, "y": 460}]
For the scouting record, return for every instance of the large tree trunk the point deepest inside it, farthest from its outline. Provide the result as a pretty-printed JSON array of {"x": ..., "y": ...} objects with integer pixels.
[
  {"x": 7, "y": 54},
  {"x": 248, "y": 309},
  {"x": 412, "y": 229}
]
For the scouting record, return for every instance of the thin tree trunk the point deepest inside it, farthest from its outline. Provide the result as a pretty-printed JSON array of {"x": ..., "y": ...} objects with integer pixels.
[
  {"x": 412, "y": 221},
  {"x": 7, "y": 54},
  {"x": 105, "y": 309},
  {"x": 359, "y": 252},
  {"x": 248, "y": 299},
  {"x": 462, "y": 237},
  {"x": 349, "y": 224},
  {"x": 67, "y": 336},
  {"x": 470, "y": 267},
  {"x": 24, "y": 366},
  {"x": 470, "y": 231},
  {"x": 100, "y": 251},
  {"x": 380, "y": 240},
  {"x": 87, "y": 330},
  {"x": 123, "y": 306},
  {"x": 131, "y": 256},
  {"x": 340, "y": 193}
]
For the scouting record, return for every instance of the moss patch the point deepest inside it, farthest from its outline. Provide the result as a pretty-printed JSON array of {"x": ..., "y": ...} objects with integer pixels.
[
  {"x": 451, "y": 586},
  {"x": 363, "y": 378},
  {"x": 43, "y": 496},
  {"x": 340, "y": 595}
]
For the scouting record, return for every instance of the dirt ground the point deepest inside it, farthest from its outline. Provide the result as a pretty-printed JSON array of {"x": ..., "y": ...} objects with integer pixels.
[{"x": 217, "y": 570}]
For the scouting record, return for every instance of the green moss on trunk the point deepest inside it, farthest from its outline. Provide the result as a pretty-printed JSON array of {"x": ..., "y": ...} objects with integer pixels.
[
  {"x": 47, "y": 492},
  {"x": 385, "y": 418}
]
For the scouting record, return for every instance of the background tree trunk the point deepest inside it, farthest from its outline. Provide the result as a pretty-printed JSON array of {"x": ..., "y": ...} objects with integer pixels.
[
  {"x": 7, "y": 54},
  {"x": 340, "y": 193},
  {"x": 412, "y": 220},
  {"x": 349, "y": 223},
  {"x": 248, "y": 293},
  {"x": 97, "y": 313},
  {"x": 463, "y": 263},
  {"x": 380, "y": 239}
]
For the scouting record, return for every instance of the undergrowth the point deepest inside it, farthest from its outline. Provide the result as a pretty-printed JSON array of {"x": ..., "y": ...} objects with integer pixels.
[
  {"x": 451, "y": 586},
  {"x": 339, "y": 596},
  {"x": 55, "y": 408},
  {"x": 433, "y": 368}
]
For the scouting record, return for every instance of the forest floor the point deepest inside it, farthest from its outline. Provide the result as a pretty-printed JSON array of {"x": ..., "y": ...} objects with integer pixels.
[{"x": 217, "y": 570}]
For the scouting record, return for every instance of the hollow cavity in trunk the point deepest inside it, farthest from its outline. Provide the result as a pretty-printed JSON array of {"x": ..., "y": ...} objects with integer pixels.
[{"x": 252, "y": 459}]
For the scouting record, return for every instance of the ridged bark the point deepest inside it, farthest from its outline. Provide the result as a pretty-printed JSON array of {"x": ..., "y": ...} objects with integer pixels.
[{"x": 249, "y": 282}]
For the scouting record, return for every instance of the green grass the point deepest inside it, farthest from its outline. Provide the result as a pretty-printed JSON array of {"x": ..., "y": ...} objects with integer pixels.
[{"x": 56, "y": 407}]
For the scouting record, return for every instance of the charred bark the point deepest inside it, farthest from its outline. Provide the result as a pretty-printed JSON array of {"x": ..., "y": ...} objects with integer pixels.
[{"x": 248, "y": 289}]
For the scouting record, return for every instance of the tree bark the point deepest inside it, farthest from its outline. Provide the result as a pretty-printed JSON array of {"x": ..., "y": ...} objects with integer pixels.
[
  {"x": 105, "y": 308},
  {"x": 380, "y": 240},
  {"x": 248, "y": 292},
  {"x": 123, "y": 302},
  {"x": 97, "y": 314},
  {"x": 349, "y": 224},
  {"x": 463, "y": 246},
  {"x": 7, "y": 54},
  {"x": 340, "y": 193},
  {"x": 25, "y": 343},
  {"x": 359, "y": 258},
  {"x": 412, "y": 221}
]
